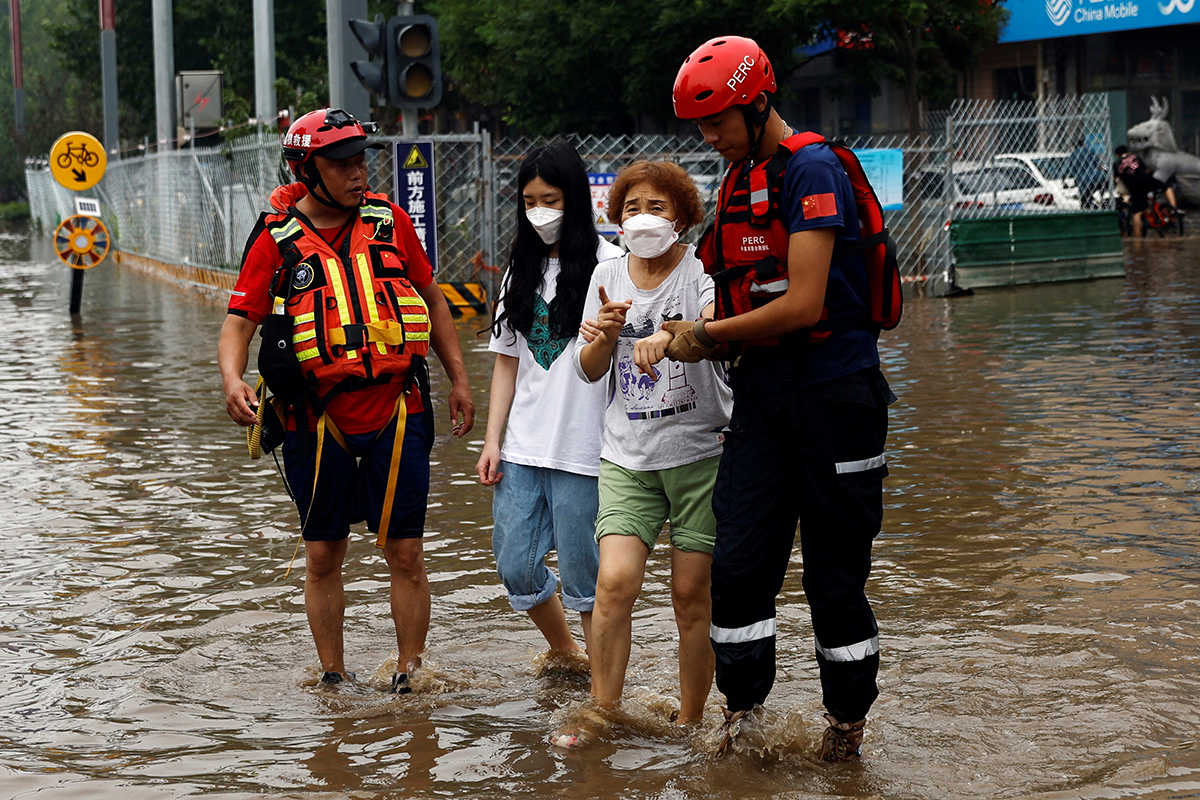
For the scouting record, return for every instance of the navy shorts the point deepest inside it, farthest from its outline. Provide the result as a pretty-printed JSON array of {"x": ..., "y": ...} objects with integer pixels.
[{"x": 352, "y": 485}]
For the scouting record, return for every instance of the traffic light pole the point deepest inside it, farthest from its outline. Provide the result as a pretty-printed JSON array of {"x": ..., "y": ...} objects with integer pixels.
[
  {"x": 409, "y": 123},
  {"x": 345, "y": 92}
]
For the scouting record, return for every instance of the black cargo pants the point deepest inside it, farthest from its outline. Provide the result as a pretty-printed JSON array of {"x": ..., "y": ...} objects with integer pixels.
[{"x": 812, "y": 455}]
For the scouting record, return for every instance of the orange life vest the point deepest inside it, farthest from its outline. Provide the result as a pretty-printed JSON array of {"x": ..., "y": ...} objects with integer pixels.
[
  {"x": 356, "y": 320},
  {"x": 746, "y": 248}
]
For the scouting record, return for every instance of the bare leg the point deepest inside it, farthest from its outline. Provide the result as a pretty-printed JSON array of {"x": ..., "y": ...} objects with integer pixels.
[
  {"x": 325, "y": 601},
  {"x": 622, "y": 566},
  {"x": 551, "y": 620},
  {"x": 1137, "y": 225},
  {"x": 691, "y": 578},
  {"x": 410, "y": 599},
  {"x": 585, "y": 619}
]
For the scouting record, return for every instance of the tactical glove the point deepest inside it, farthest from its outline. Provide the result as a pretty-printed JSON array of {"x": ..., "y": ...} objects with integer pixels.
[{"x": 691, "y": 344}]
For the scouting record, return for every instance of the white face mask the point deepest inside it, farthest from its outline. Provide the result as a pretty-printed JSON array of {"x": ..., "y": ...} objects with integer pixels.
[
  {"x": 546, "y": 221},
  {"x": 648, "y": 236}
]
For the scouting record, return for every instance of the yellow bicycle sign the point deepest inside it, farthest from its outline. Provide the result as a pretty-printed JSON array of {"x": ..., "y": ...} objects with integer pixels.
[{"x": 78, "y": 160}]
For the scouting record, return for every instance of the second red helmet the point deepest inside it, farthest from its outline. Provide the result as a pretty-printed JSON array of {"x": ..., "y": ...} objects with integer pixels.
[{"x": 722, "y": 72}]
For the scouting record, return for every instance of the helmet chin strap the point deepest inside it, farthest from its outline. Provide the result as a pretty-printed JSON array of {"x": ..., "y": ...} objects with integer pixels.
[
  {"x": 753, "y": 117},
  {"x": 305, "y": 174}
]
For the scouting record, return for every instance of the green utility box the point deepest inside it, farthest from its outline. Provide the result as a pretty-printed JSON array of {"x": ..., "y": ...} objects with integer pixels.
[{"x": 1036, "y": 248}]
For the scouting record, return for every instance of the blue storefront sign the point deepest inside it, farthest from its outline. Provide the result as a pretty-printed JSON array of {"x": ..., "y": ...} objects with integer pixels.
[
  {"x": 413, "y": 190},
  {"x": 1050, "y": 19},
  {"x": 885, "y": 171}
]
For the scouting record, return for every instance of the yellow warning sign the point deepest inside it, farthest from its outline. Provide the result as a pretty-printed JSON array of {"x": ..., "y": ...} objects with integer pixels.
[
  {"x": 81, "y": 242},
  {"x": 415, "y": 160},
  {"x": 78, "y": 160}
]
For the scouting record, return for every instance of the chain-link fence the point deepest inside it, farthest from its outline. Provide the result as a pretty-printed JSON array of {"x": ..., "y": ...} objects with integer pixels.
[
  {"x": 1013, "y": 158},
  {"x": 197, "y": 207}
]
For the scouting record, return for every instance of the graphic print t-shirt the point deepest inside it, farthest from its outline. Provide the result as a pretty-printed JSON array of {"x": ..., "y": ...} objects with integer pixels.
[
  {"x": 556, "y": 419},
  {"x": 676, "y": 420}
]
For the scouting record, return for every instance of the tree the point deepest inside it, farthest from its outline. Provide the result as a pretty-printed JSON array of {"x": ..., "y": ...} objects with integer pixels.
[
  {"x": 560, "y": 66},
  {"x": 918, "y": 45},
  {"x": 209, "y": 34}
]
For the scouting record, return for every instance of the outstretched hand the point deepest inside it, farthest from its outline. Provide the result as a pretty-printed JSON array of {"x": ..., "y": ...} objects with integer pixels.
[{"x": 611, "y": 317}]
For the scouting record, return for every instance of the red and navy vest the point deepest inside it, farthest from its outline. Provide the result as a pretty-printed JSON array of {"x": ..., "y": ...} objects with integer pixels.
[{"x": 746, "y": 248}]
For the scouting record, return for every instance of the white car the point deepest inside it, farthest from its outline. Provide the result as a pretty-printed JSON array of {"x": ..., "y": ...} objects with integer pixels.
[
  {"x": 1049, "y": 169},
  {"x": 1010, "y": 185}
]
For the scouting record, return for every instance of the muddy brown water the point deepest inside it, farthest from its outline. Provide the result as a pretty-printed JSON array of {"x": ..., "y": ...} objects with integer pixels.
[{"x": 1037, "y": 581}]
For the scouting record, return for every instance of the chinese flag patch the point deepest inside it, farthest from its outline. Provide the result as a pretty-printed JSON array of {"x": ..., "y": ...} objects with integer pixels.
[{"x": 819, "y": 205}]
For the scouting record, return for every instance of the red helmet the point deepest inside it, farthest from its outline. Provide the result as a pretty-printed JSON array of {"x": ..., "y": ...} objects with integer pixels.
[
  {"x": 329, "y": 132},
  {"x": 722, "y": 72}
]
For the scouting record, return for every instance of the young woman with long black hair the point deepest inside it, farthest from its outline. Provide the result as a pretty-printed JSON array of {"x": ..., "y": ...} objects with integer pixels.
[{"x": 545, "y": 473}]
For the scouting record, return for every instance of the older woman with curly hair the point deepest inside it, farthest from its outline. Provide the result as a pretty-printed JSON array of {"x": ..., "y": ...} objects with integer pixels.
[{"x": 662, "y": 428}]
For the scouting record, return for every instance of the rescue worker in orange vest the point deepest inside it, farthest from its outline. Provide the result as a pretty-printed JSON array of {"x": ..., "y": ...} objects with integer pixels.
[
  {"x": 345, "y": 295},
  {"x": 809, "y": 420}
]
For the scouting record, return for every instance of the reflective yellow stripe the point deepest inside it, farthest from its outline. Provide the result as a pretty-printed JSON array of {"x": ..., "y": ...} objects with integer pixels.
[
  {"x": 419, "y": 336},
  {"x": 339, "y": 292},
  {"x": 305, "y": 355},
  {"x": 303, "y": 318},
  {"x": 364, "y": 277},
  {"x": 422, "y": 318},
  {"x": 289, "y": 228},
  {"x": 297, "y": 338},
  {"x": 379, "y": 212}
]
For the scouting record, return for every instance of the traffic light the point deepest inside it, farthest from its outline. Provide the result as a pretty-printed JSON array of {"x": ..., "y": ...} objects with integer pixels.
[
  {"x": 373, "y": 74},
  {"x": 414, "y": 62}
]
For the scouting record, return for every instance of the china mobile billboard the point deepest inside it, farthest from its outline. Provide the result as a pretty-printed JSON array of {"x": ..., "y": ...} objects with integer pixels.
[{"x": 1050, "y": 19}]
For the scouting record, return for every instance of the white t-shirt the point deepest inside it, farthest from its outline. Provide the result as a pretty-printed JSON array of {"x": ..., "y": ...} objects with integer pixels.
[
  {"x": 556, "y": 419},
  {"x": 678, "y": 419}
]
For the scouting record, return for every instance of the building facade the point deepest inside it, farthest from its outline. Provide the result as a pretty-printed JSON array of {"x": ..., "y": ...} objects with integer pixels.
[{"x": 1131, "y": 49}]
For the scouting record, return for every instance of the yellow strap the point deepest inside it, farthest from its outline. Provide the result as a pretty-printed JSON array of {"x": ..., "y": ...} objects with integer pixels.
[
  {"x": 387, "y": 332},
  {"x": 368, "y": 292},
  {"x": 339, "y": 292},
  {"x": 389, "y": 497}
]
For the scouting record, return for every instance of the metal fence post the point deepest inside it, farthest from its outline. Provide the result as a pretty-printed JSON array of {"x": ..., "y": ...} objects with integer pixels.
[
  {"x": 489, "y": 211},
  {"x": 948, "y": 199}
]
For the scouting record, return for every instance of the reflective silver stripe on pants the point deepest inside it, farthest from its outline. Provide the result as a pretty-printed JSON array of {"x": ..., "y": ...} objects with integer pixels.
[
  {"x": 860, "y": 466},
  {"x": 851, "y": 652},
  {"x": 748, "y": 633}
]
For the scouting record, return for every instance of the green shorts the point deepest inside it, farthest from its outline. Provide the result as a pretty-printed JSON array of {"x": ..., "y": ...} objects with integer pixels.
[{"x": 639, "y": 503}]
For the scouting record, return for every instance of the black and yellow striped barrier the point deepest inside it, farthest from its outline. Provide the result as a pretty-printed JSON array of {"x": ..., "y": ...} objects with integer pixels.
[{"x": 465, "y": 299}]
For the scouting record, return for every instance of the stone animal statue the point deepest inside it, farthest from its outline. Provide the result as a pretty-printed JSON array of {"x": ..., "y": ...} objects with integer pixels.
[{"x": 1155, "y": 141}]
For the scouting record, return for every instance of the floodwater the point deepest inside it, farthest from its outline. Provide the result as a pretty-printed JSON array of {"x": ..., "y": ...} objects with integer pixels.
[{"x": 1037, "y": 581}]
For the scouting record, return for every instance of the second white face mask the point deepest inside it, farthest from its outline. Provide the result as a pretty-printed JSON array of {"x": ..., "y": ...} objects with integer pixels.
[
  {"x": 649, "y": 236},
  {"x": 546, "y": 221}
]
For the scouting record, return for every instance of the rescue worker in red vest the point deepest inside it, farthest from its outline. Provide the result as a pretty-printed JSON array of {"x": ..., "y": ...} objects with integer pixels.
[
  {"x": 809, "y": 420},
  {"x": 345, "y": 295}
]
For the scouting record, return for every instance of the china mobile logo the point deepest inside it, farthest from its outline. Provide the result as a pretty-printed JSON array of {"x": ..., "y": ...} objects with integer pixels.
[
  {"x": 1182, "y": 6},
  {"x": 1059, "y": 11}
]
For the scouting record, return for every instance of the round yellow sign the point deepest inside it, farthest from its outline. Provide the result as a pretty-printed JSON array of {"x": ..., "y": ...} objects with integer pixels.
[
  {"x": 81, "y": 242},
  {"x": 77, "y": 160}
]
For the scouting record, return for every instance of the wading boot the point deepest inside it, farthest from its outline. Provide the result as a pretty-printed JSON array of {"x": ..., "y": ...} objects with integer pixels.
[{"x": 842, "y": 740}]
